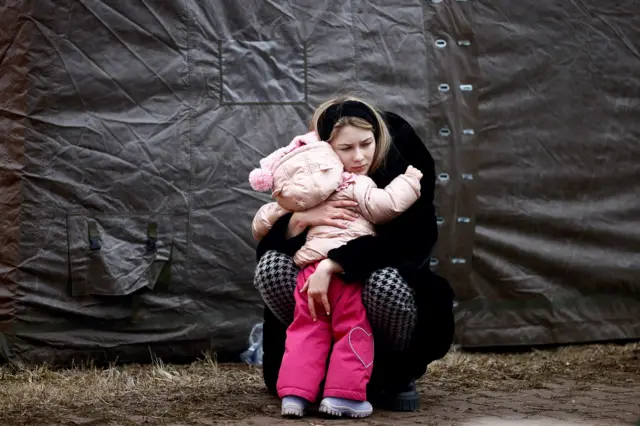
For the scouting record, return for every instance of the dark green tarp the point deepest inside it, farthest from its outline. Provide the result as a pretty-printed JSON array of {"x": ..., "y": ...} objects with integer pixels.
[{"x": 131, "y": 124}]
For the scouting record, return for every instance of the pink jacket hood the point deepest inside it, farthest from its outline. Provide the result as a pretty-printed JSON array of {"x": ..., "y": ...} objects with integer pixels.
[{"x": 300, "y": 175}]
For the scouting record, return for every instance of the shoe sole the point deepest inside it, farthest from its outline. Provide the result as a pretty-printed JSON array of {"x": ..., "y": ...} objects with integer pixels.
[
  {"x": 292, "y": 411},
  {"x": 405, "y": 404},
  {"x": 399, "y": 403},
  {"x": 342, "y": 410}
]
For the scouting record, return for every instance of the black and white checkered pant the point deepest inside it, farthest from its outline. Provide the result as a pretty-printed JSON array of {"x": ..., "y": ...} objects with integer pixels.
[{"x": 388, "y": 299}]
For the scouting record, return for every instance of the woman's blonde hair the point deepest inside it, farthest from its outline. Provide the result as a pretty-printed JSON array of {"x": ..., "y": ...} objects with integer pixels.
[{"x": 383, "y": 139}]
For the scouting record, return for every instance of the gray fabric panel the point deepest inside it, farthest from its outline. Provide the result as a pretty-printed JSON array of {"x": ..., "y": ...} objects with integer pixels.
[
  {"x": 556, "y": 255},
  {"x": 117, "y": 256},
  {"x": 14, "y": 66}
]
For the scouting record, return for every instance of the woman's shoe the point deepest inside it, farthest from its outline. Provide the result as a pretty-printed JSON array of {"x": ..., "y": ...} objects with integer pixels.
[
  {"x": 404, "y": 399},
  {"x": 293, "y": 406},
  {"x": 339, "y": 407}
]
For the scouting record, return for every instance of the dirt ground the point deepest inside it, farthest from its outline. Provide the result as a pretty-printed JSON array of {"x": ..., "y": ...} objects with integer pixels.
[
  {"x": 566, "y": 403},
  {"x": 589, "y": 385}
]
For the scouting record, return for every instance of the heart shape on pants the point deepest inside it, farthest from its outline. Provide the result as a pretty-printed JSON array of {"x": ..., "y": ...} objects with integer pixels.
[{"x": 361, "y": 344}]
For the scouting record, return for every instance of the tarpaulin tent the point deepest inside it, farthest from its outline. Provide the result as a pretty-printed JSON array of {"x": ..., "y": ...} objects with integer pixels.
[{"x": 128, "y": 130}]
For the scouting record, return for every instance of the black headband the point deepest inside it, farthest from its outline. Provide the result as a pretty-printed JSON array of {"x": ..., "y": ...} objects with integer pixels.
[{"x": 328, "y": 120}]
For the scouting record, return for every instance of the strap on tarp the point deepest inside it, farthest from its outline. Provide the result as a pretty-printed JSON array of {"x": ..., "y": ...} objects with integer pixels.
[
  {"x": 152, "y": 236},
  {"x": 94, "y": 237}
]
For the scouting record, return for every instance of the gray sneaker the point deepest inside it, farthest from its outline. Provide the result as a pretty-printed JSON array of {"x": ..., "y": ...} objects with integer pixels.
[
  {"x": 293, "y": 406},
  {"x": 338, "y": 407}
]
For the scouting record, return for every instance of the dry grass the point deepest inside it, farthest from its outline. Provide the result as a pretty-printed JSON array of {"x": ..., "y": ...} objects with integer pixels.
[
  {"x": 591, "y": 364},
  {"x": 158, "y": 393},
  {"x": 129, "y": 394}
]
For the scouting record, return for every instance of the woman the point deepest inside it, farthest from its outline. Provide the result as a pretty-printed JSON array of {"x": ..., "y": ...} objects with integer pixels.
[{"x": 409, "y": 307}]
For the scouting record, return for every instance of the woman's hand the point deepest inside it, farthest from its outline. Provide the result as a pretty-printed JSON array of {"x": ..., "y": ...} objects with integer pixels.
[
  {"x": 329, "y": 213},
  {"x": 317, "y": 286}
]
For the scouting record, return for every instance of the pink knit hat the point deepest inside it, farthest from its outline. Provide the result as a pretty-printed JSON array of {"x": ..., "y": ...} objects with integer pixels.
[
  {"x": 262, "y": 179},
  {"x": 301, "y": 175}
]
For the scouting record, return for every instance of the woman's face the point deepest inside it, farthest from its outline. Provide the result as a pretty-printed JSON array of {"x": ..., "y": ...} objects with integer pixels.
[{"x": 356, "y": 148}]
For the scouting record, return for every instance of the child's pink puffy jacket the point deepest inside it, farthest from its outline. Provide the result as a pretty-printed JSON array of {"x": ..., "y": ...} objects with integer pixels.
[{"x": 309, "y": 172}]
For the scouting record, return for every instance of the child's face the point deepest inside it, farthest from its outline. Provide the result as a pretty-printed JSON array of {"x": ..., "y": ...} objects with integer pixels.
[{"x": 356, "y": 148}]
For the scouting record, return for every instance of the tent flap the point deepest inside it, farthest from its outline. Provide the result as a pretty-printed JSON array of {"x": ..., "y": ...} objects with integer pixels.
[{"x": 129, "y": 130}]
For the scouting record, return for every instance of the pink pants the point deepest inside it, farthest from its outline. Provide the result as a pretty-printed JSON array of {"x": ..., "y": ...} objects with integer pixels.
[{"x": 309, "y": 343}]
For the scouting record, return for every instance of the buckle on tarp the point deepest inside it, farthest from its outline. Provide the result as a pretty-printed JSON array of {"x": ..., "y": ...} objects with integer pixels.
[
  {"x": 94, "y": 237},
  {"x": 152, "y": 237}
]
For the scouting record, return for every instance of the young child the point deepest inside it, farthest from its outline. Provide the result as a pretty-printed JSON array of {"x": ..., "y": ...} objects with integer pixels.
[{"x": 301, "y": 176}]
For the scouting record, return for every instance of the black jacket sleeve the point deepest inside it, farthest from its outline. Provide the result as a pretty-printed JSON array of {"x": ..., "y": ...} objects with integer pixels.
[{"x": 405, "y": 242}]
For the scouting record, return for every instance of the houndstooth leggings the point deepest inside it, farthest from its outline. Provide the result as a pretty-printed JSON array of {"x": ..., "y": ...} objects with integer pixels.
[{"x": 388, "y": 299}]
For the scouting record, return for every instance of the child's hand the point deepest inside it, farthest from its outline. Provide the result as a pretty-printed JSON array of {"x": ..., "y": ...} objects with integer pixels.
[
  {"x": 317, "y": 286},
  {"x": 412, "y": 171}
]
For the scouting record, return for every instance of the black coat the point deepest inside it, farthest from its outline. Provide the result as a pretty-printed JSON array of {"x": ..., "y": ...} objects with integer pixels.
[{"x": 404, "y": 243}]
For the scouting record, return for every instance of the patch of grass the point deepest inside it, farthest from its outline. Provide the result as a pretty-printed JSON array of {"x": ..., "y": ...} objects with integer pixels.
[
  {"x": 205, "y": 391},
  {"x": 583, "y": 364},
  {"x": 129, "y": 394}
]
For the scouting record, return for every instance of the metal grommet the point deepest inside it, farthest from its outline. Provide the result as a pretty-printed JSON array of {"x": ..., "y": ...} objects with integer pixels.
[
  {"x": 444, "y": 87},
  {"x": 458, "y": 261},
  {"x": 464, "y": 43},
  {"x": 436, "y": 1},
  {"x": 434, "y": 262},
  {"x": 468, "y": 131},
  {"x": 464, "y": 219},
  {"x": 440, "y": 220},
  {"x": 445, "y": 132},
  {"x": 467, "y": 176},
  {"x": 441, "y": 43},
  {"x": 466, "y": 87},
  {"x": 443, "y": 177}
]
